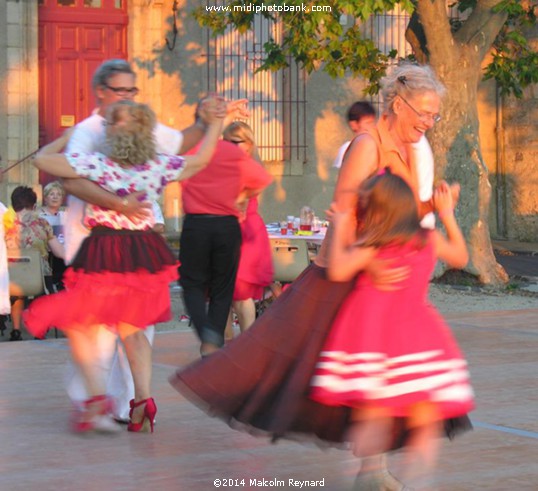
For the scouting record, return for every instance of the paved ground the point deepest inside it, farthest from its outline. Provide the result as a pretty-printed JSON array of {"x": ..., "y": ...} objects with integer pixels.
[
  {"x": 518, "y": 258},
  {"x": 189, "y": 450}
]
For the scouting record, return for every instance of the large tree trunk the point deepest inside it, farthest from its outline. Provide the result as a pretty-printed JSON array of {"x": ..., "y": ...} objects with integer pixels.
[
  {"x": 458, "y": 158},
  {"x": 455, "y": 140}
]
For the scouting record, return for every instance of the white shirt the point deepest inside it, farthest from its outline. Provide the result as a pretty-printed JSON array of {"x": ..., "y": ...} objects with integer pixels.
[
  {"x": 425, "y": 171},
  {"x": 157, "y": 213},
  {"x": 340, "y": 156},
  {"x": 89, "y": 137}
]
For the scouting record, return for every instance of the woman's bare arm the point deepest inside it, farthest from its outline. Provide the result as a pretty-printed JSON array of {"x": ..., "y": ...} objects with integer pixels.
[
  {"x": 345, "y": 260},
  {"x": 195, "y": 163},
  {"x": 360, "y": 162},
  {"x": 57, "y": 248}
]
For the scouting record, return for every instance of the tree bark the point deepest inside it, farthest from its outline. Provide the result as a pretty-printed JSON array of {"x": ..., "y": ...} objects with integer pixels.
[{"x": 455, "y": 140}]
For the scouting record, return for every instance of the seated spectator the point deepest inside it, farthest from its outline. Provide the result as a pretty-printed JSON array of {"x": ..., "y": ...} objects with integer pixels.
[
  {"x": 53, "y": 212},
  {"x": 29, "y": 230}
]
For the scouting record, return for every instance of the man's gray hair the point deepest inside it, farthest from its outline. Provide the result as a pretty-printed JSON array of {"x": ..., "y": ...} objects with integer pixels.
[
  {"x": 108, "y": 69},
  {"x": 409, "y": 79}
]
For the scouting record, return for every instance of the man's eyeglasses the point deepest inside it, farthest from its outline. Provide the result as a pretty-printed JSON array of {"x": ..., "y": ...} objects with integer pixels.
[
  {"x": 423, "y": 116},
  {"x": 123, "y": 91}
]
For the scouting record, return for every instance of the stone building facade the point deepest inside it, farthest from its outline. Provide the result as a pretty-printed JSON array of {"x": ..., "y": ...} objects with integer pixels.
[
  {"x": 18, "y": 91},
  {"x": 173, "y": 80}
]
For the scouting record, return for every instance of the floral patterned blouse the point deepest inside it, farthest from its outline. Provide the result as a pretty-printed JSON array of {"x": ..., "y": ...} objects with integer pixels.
[
  {"x": 151, "y": 177},
  {"x": 29, "y": 230}
]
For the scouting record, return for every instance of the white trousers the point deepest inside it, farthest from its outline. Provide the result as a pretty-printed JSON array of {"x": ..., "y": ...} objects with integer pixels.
[{"x": 113, "y": 366}]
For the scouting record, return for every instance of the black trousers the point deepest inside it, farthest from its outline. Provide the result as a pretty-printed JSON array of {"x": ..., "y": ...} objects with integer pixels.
[{"x": 209, "y": 251}]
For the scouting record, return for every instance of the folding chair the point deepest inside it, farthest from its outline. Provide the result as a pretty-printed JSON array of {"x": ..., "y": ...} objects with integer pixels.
[
  {"x": 25, "y": 269},
  {"x": 290, "y": 259},
  {"x": 25, "y": 273}
]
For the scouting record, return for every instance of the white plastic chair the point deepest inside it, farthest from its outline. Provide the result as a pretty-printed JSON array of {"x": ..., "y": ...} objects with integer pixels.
[
  {"x": 290, "y": 258},
  {"x": 25, "y": 273}
]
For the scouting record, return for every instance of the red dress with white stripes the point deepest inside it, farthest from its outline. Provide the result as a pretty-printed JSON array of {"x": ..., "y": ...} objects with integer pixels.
[{"x": 392, "y": 348}]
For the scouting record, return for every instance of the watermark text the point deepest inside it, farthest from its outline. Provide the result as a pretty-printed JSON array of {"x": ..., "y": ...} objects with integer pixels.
[{"x": 258, "y": 9}]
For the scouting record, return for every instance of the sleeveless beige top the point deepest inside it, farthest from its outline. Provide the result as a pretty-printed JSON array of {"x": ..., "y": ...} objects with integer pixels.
[{"x": 389, "y": 156}]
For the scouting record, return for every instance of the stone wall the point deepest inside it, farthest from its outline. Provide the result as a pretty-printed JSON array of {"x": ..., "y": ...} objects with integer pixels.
[
  {"x": 173, "y": 80},
  {"x": 170, "y": 80},
  {"x": 3, "y": 94},
  {"x": 509, "y": 139},
  {"x": 19, "y": 73},
  {"x": 521, "y": 166}
]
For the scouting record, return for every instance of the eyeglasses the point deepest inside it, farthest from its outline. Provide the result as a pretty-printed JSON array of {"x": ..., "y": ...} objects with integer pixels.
[
  {"x": 423, "y": 116},
  {"x": 123, "y": 91}
]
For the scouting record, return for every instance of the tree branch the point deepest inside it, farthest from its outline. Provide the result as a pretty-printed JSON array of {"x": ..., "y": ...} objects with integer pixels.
[
  {"x": 415, "y": 36},
  {"x": 482, "y": 27},
  {"x": 436, "y": 26}
]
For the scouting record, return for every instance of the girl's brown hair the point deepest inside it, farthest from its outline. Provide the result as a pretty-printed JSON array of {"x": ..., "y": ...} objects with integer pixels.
[
  {"x": 387, "y": 211},
  {"x": 131, "y": 142}
]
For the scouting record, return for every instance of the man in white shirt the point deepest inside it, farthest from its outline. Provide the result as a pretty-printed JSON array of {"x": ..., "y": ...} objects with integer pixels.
[
  {"x": 361, "y": 115},
  {"x": 114, "y": 80}
]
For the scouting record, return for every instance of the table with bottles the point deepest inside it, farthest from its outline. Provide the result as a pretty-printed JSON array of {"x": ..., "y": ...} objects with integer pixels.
[{"x": 306, "y": 227}]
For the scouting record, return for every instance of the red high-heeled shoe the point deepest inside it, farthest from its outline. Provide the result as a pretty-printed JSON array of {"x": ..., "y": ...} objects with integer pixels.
[
  {"x": 99, "y": 419},
  {"x": 150, "y": 410}
]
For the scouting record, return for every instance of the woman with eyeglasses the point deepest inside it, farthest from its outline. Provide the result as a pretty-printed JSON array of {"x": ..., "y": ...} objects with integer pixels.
[
  {"x": 262, "y": 380},
  {"x": 53, "y": 197},
  {"x": 255, "y": 270}
]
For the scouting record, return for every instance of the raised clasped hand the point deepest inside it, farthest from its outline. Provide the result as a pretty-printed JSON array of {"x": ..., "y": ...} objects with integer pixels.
[
  {"x": 212, "y": 108},
  {"x": 443, "y": 196},
  {"x": 238, "y": 109}
]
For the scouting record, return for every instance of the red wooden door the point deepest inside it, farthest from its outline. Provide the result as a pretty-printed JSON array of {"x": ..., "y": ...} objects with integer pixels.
[{"x": 75, "y": 37}]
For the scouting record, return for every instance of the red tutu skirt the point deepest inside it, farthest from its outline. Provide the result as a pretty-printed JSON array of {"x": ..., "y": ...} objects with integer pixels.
[
  {"x": 245, "y": 290},
  {"x": 118, "y": 276}
]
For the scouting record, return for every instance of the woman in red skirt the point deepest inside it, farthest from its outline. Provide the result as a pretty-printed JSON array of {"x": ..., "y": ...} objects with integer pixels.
[
  {"x": 255, "y": 270},
  {"x": 121, "y": 274}
]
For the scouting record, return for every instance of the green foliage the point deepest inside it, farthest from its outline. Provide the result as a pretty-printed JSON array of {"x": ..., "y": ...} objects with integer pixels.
[
  {"x": 515, "y": 63},
  {"x": 513, "y": 8},
  {"x": 317, "y": 39}
]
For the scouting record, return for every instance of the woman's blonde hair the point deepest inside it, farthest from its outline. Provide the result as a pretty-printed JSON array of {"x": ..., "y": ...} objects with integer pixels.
[
  {"x": 387, "y": 211},
  {"x": 243, "y": 131},
  {"x": 51, "y": 186},
  {"x": 129, "y": 136}
]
